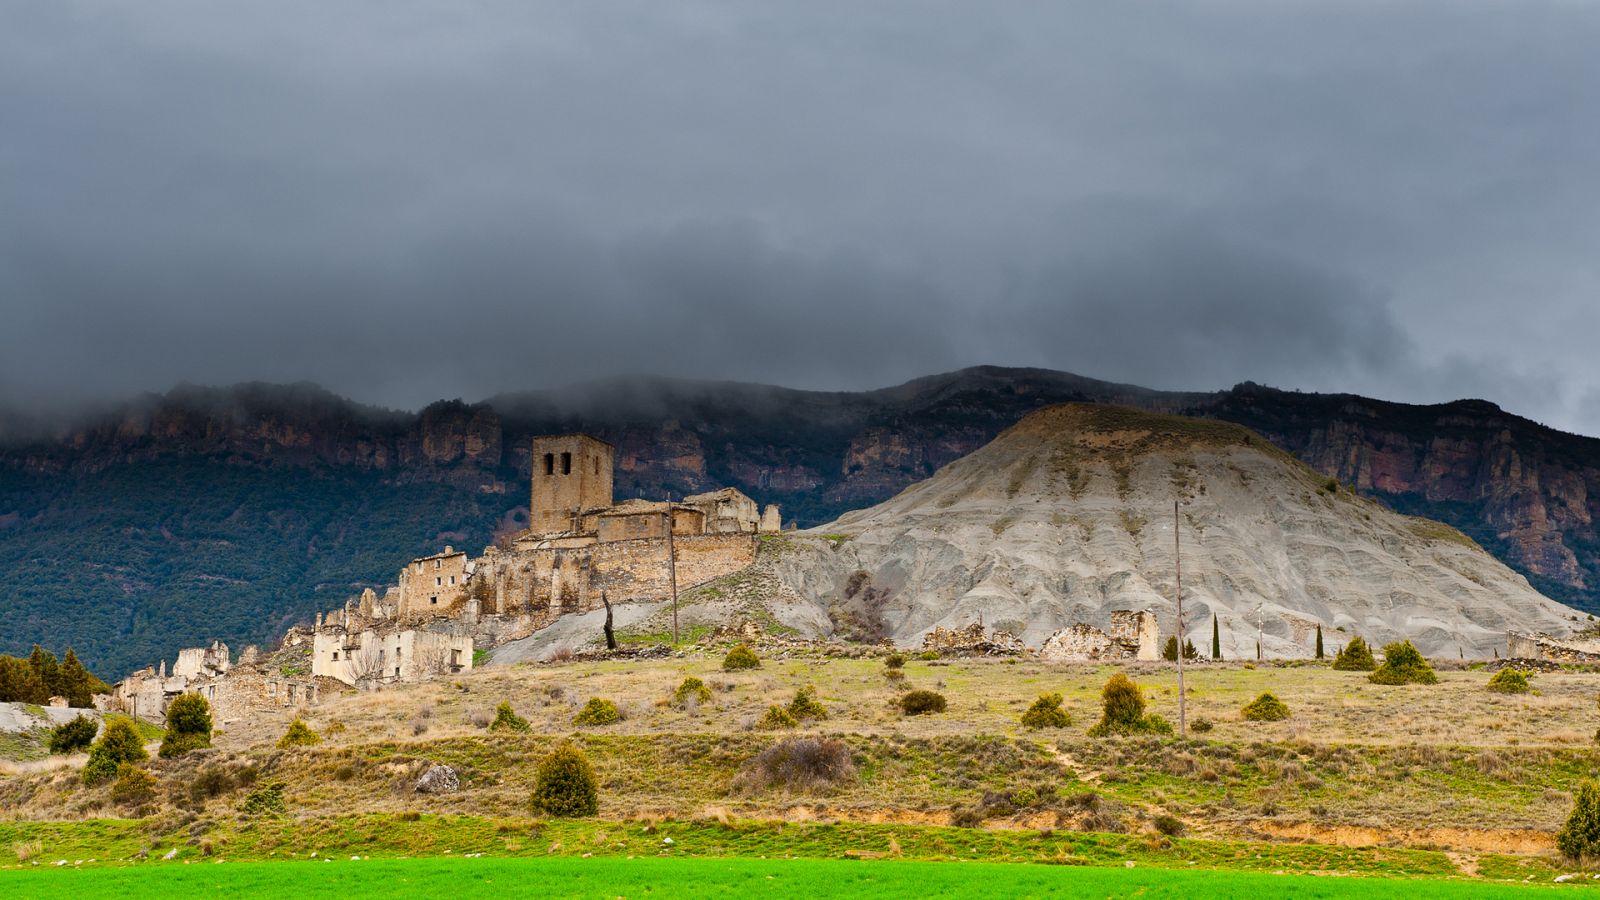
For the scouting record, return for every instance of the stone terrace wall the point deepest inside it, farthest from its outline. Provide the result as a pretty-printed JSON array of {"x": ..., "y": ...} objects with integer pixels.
[{"x": 637, "y": 570}]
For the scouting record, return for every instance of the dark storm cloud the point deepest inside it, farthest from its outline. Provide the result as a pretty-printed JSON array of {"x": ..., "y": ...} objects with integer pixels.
[{"x": 410, "y": 200}]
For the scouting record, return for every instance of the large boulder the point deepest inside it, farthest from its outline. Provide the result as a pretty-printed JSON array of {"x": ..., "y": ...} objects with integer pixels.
[{"x": 439, "y": 780}]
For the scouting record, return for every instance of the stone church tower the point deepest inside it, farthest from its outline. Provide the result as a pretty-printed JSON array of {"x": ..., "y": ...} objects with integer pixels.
[{"x": 571, "y": 473}]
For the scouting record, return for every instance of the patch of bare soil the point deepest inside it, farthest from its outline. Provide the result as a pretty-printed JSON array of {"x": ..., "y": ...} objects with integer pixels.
[{"x": 1485, "y": 840}]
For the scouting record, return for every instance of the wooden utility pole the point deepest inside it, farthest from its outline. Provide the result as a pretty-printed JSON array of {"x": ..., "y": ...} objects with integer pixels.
[
  {"x": 672, "y": 572},
  {"x": 1177, "y": 570}
]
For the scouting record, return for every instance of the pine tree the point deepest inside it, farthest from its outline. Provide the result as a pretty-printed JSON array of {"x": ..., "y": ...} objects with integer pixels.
[
  {"x": 77, "y": 685},
  {"x": 47, "y": 670},
  {"x": 1319, "y": 640},
  {"x": 1216, "y": 639},
  {"x": 19, "y": 683}
]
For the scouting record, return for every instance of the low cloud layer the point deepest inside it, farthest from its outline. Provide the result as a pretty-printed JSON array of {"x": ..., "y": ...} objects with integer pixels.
[{"x": 408, "y": 201}]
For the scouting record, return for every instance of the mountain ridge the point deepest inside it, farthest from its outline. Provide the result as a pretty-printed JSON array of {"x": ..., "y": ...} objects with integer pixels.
[{"x": 325, "y": 496}]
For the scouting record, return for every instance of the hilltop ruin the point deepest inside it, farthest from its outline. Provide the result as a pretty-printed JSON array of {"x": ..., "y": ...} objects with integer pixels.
[{"x": 581, "y": 549}]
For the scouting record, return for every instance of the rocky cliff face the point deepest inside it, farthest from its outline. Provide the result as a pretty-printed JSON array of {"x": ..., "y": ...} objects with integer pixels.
[
  {"x": 1069, "y": 515},
  {"x": 1522, "y": 490}
]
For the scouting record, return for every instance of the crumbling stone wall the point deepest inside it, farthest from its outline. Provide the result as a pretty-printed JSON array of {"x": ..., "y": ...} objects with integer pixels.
[
  {"x": 1520, "y": 645},
  {"x": 1133, "y": 635}
]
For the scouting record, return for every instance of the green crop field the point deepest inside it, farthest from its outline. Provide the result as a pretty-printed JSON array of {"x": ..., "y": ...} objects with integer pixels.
[{"x": 460, "y": 879}]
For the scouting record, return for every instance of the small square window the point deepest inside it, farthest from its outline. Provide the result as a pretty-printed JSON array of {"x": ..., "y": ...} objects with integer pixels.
[
  {"x": 438, "y": 581},
  {"x": 434, "y": 600}
]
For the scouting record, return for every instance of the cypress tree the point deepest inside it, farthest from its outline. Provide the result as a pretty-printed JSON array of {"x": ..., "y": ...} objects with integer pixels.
[
  {"x": 1319, "y": 640},
  {"x": 1216, "y": 639}
]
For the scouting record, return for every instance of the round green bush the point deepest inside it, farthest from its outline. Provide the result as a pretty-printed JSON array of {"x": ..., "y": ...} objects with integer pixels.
[
  {"x": 565, "y": 784},
  {"x": 916, "y": 703},
  {"x": 119, "y": 743},
  {"x": 1509, "y": 681},
  {"x": 298, "y": 735},
  {"x": 1123, "y": 710},
  {"x": 777, "y": 717},
  {"x": 1046, "y": 712},
  {"x": 75, "y": 735},
  {"x": 134, "y": 787},
  {"x": 1402, "y": 664},
  {"x": 805, "y": 706},
  {"x": 1355, "y": 657},
  {"x": 266, "y": 800},
  {"x": 188, "y": 725},
  {"x": 740, "y": 657},
  {"x": 691, "y": 687},
  {"x": 506, "y": 719},
  {"x": 598, "y": 711},
  {"x": 1265, "y": 708},
  {"x": 896, "y": 660}
]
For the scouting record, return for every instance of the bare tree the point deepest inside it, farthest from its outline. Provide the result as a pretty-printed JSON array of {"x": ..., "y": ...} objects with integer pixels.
[
  {"x": 364, "y": 662},
  {"x": 431, "y": 659}
]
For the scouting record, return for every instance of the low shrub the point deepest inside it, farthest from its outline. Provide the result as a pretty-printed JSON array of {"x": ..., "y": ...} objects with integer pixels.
[
  {"x": 1355, "y": 656},
  {"x": 1046, "y": 712},
  {"x": 895, "y": 660},
  {"x": 266, "y": 800},
  {"x": 691, "y": 690},
  {"x": 916, "y": 703},
  {"x": 598, "y": 711},
  {"x": 211, "y": 781},
  {"x": 565, "y": 784},
  {"x": 1201, "y": 725},
  {"x": 928, "y": 655},
  {"x": 1171, "y": 826},
  {"x": 797, "y": 765},
  {"x": 506, "y": 719},
  {"x": 298, "y": 735},
  {"x": 895, "y": 676},
  {"x": 134, "y": 786},
  {"x": 805, "y": 706},
  {"x": 1402, "y": 664},
  {"x": 1123, "y": 705},
  {"x": 119, "y": 743},
  {"x": 777, "y": 717},
  {"x": 175, "y": 744},
  {"x": 70, "y": 737},
  {"x": 1265, "y": 708},
  {"x": 740, "y": 657},
  {"x": 1509, "y": 681}
]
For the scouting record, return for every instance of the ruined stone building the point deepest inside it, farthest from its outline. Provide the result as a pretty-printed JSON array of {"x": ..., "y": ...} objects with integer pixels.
[
  {"x": 1134, "y": 635},
  {"x": 581, "y": 545},
  {"x": 234, "y": 690}
]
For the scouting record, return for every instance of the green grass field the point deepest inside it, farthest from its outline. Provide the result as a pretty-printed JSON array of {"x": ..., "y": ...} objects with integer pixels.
[{"x": 460, "y": 879}]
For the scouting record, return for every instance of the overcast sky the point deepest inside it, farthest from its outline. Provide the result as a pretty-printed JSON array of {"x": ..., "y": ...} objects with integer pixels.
[{"x": 406, "y": 201}]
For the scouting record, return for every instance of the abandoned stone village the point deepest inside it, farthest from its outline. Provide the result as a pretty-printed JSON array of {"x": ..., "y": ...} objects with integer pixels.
[{"x": 582, "y": 549}]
